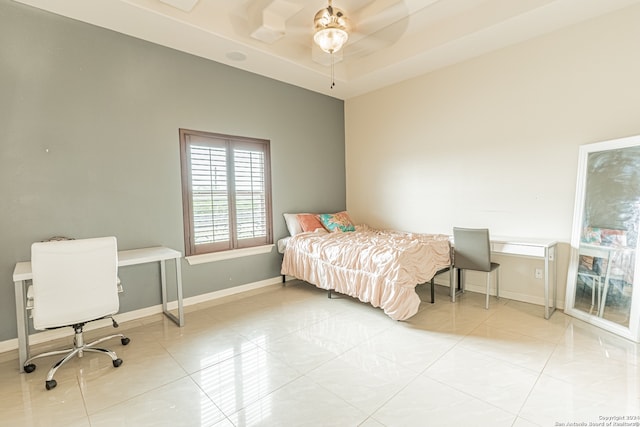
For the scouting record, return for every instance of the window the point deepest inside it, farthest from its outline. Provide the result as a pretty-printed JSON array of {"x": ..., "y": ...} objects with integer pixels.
[{"x": 226, "y": 192}]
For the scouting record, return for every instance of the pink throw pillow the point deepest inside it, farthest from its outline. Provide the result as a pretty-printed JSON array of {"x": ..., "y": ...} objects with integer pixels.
[{"x": 309, "y": 222}]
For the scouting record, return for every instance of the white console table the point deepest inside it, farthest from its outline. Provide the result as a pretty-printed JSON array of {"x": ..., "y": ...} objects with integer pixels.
[
  {"x": 527, "y": 247},
  {"x": 22, "y": 273}
]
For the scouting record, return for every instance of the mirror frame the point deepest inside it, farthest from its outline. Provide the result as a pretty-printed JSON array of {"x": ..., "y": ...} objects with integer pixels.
[{"x": 633, "y": 331}]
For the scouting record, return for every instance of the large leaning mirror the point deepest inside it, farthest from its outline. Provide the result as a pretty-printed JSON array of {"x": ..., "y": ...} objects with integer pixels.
[{"x": 602, "y": 270}]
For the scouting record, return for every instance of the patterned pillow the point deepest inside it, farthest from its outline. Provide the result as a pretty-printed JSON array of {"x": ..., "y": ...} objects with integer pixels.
[
  {"x": 592, "y": 235},
  {"x": 615, "y": 238},
  {"x": 338, "y": 222},
  {"x": 309, "y": 222}
]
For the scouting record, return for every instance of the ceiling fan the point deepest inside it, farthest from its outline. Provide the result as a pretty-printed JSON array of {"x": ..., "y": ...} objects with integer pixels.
[
  {"x": 340, "y": 30},
  {"x": 331, "y": 29},
  {"x": 330, "y": 32},
  {"x": 378, "y": 24},
  {"x": 372, "y": 24}
]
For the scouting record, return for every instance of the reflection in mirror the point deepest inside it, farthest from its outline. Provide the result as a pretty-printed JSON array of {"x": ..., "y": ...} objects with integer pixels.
[{"x": 602, "y": 271}]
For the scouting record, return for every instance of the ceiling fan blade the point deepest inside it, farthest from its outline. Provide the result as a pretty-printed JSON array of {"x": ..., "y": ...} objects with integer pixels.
[
  {"x": 379, "y": 14},
  {"x": 377, "y": 26}
]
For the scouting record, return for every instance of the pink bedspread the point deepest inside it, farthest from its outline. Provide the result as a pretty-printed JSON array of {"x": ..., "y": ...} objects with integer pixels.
[{"x": 376, "y": 266}]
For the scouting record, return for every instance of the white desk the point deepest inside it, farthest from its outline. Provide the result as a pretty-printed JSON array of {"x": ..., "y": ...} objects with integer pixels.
[
  {"x": 525, "y": 247},
  {"x": 22, "y": 273}
]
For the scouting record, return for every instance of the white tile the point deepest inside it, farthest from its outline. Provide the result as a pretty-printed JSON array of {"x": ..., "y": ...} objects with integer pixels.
[
  {"x": 522, "y": 350},
  {"x": 581, "y": 336},
  {"x": 24, "y": 401},
  {"x": 554, "y": 401},
  {"x": 237, "y": 382},
  {"x": 454, "y": 320},
  {"x": 521, "y": 422},
  {"x": 224, "y": 423},
  {"x": 595, "y": 370},
  {"x": 528, "y": 319},
  {"x": 197, "y": 351},
  {"x": 269, "y": 324},
  {"x": 429, "y": 402},
  {"x": 363, "y": 379},
  {"x": 489, "y": 379},
  {"x": 301, "y": 402},
  {"x": 144, "y": 371},
  {"x": 371, "y": 422},
  {"x": 304, "y": 349},
  {"x": 414, "y": 349},
  {"x": 180, "y": 403},
  {"x": 352, "y": 327}
]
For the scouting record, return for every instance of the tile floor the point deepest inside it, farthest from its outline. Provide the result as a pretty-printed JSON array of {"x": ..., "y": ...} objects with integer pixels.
[{"x": 289, "y": 356}]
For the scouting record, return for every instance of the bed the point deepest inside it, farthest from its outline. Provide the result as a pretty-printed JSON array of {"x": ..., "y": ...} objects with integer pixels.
[{"x": 380, "y": 267}]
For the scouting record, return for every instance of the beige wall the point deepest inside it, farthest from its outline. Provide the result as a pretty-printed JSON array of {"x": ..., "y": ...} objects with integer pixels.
[{"x": 494, "y": 141}]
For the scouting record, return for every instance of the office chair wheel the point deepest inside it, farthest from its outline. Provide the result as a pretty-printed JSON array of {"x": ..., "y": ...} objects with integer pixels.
[
  {"x": 29, "y": 368},
  {"x": 125, "y": 341},
  {"x": 117, "y": 362},
  {"x": 50, "y": 384}
]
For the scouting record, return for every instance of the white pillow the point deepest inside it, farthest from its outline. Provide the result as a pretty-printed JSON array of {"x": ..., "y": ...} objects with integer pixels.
[{"x": 292, "y": 224}]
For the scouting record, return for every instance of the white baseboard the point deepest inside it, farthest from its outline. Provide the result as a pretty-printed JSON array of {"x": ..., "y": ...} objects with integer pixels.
[
  {"x": 531, "y": 299},
  {"x": 45, "y": 336},
  {"x": 53, "y": 334}
]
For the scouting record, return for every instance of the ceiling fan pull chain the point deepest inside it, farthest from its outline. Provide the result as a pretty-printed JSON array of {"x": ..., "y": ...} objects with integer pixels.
[{"x": 333, "y": 80}]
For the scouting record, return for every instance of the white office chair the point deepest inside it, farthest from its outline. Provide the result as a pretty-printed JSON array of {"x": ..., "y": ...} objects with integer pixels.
[
  {"x": 74, "y": 282},
  {"x": 472, "y": 251}
]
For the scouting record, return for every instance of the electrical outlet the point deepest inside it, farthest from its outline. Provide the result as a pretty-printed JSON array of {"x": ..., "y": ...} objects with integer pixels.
[{"x": 538, "y": 273}]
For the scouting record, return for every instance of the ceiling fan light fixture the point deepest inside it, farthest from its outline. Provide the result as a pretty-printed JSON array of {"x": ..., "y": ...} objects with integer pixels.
[
  {"x": 331, "y": 40},
  {"x": 331, "y": 29}
]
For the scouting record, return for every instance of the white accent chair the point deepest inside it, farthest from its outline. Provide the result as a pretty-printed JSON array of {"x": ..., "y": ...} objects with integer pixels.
[
  {"x": 74, "y": 282},
  {"x": 472, "y": 251}
]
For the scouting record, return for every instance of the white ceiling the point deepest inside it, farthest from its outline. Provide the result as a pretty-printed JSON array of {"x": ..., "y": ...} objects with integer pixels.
[{"x": 392, "y": 40}]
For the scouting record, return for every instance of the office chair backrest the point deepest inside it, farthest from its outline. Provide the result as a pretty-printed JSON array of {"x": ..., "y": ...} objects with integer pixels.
[
  {"x": 74, "y": 281},
  {"x": 472, "y": 249}
]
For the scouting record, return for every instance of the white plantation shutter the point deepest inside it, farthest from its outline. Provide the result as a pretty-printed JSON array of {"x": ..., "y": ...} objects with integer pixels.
[
  {"x": 210, "y": 197},
  {"x": 226, "y": 192},
  {"x": 250, "y": 194}
]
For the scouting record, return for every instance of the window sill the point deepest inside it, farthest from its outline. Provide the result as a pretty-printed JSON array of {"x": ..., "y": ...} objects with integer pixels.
[{"x": 236, "y": 253}]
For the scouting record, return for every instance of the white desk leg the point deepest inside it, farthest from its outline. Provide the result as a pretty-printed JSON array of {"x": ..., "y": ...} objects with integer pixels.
[
  {"x": 163, "y": 284},
  {"x": 452, "y": 283},
  {"x": 554, "y": 253},
  {"x": 163, "y": 279},
  {"x": 546, "y": 283},
  {"x": 550, "y": 305},
  {"x": 22, "y": 324},
  {"x": 179, "y": 285}
]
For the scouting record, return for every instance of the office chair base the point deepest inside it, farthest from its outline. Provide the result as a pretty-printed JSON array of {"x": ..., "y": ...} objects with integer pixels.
[{"x": 77, "y": 350}]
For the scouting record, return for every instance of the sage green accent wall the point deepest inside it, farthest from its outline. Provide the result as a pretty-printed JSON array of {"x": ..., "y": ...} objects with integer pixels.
[{"x": 89, "y": 146}]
